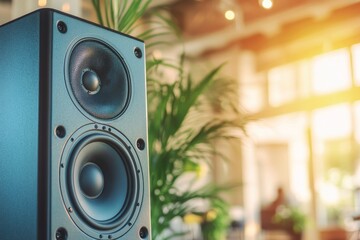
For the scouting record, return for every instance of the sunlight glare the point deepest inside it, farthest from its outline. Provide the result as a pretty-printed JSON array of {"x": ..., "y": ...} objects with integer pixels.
[
  {"x": 42, "y": 3},
  {"x": 332, "y": 122},
  {"x": 331, "y": 72},
  {"x": 230, "y": 15},
  {"x": 329, "y": 194},
  {"x": 267, "y": 4},
  {"x": 66, "y": 7}
]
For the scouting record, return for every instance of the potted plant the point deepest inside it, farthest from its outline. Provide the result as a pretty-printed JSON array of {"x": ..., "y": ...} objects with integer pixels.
[
  {"x": 290, "y": 218},
  {"x": 182, "y": 123}
]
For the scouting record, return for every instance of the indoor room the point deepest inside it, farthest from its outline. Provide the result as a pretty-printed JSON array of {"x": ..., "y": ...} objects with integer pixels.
[{"x": 253, "y": 111}]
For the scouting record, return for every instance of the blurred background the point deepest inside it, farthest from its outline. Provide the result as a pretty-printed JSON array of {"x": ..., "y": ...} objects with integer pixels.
[{"x": 296, "y": 65}]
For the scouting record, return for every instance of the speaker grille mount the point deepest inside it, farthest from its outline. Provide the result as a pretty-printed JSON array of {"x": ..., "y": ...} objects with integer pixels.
[{"x": 98, "y": 79}]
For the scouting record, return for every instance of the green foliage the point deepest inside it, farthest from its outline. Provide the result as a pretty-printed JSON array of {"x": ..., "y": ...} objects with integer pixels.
[
  {"x": 290, "y": 215},
  {"x": 178, "y": 149},
  {"x": 136, "y": 18},
  {"x": 120, "y": 15},
  {"x": 215, "y": 227},
  {"x": 182, "y": 125}
]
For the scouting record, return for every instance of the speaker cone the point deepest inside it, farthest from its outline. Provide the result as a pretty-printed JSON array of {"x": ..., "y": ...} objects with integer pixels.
[
  {"x": 98, "y": 79},
  {"x": 101, "y": 182}
]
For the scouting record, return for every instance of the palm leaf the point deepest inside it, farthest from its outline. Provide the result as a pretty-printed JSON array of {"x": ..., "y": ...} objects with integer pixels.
[{"x": 122, "y": 18}]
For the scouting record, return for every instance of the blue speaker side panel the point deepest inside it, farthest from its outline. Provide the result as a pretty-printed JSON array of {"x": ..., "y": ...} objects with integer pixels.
[{"x": 19, "y": 118}]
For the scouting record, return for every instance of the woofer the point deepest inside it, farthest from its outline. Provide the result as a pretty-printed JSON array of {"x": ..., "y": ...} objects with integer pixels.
[
  {"x": 98, "y": 79},
  {"x": 101, "y": 181}
]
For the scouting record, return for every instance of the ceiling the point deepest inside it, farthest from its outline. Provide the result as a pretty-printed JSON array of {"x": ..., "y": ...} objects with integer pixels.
[
  {"x": 197, "y": 18},
  {"x": 201, "y": 17}
]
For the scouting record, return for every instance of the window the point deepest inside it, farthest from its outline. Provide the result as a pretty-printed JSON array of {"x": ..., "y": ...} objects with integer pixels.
[
  {"x": 282, "y": 85},
  {"x": 331, "y": 72}
]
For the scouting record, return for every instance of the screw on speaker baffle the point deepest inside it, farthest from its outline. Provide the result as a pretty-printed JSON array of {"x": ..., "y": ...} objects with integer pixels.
[
  {"x": 143, "y": 233},
  {"x": 60, "y": 131},
  {"x": 138, "y": 52},
  {"x": 61, "y": 234},
  {"x": 140, "y": 144},
  {"x": 61, "y": 26}
]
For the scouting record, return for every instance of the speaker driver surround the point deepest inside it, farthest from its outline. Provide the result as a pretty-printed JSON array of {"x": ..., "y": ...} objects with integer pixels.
[
  {"x": 101, "y": 181},
  {"x": 98, "y": 79}
]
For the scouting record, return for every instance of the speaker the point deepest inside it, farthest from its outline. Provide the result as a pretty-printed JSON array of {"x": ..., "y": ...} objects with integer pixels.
[{"x": 73, "y": 131}]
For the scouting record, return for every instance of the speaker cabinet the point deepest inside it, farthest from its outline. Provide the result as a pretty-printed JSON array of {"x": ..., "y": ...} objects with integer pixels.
[{"x": 73, "y": 131}]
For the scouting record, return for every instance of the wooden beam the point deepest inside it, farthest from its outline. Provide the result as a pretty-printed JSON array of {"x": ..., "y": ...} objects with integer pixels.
[{"x": 309, "y": 104}]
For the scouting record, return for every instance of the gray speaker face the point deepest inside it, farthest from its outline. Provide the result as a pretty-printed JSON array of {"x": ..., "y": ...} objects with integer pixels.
[
  {"x": 99, "y": 98},
  {"x": 101, "y": 182}
]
